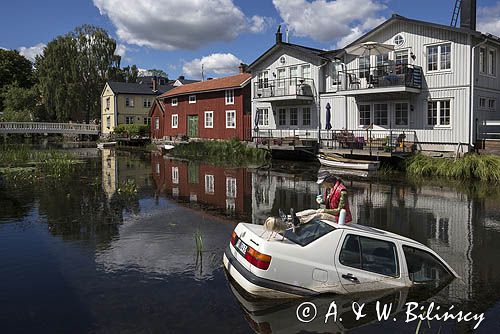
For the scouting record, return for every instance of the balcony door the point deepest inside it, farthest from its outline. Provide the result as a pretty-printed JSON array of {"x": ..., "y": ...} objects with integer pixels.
[{"x": 193, "y": 126}]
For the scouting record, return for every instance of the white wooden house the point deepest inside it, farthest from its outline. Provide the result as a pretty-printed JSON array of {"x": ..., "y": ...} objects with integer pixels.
[{"x": 437, "y": 85}]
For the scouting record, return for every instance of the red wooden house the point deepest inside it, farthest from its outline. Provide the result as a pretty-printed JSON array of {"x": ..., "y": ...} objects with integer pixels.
[{"x": 212, "y": 109}]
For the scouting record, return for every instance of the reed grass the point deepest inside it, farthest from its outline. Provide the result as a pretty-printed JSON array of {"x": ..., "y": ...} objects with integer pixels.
[
  {"x": 228, "y": 152},
  {"x": 471, "y": 166}
]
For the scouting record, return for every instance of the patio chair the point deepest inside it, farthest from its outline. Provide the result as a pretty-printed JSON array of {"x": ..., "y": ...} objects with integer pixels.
[{"x": 353, "y": 80}]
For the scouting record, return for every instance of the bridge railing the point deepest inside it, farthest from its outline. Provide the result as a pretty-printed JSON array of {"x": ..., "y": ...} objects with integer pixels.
[{"x": 46, "y": 127}]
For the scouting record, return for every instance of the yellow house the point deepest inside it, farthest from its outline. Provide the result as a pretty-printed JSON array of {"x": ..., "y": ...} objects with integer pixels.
[{"x": 129, "y": 103}]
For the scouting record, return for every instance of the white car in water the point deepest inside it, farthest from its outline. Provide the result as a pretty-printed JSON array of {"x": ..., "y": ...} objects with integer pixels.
[{"x": 325, "y": 257}]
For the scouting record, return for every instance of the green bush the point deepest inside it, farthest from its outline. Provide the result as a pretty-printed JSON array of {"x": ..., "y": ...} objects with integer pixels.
[{"x": 132, "y": 130}]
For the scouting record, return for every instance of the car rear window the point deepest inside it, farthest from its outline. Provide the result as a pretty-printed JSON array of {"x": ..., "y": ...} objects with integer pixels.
[{"x": 307, "y": 233}]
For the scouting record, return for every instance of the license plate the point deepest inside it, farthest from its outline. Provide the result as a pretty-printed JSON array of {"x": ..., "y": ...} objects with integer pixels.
[{"x": 241, "y": 246}]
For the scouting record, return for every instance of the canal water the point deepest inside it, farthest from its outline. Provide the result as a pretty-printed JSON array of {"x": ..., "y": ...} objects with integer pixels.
[{"x": 85, "y": 255}]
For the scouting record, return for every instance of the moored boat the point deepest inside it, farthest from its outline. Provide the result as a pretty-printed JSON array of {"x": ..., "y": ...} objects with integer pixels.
[{"x": 339, "y": 162}]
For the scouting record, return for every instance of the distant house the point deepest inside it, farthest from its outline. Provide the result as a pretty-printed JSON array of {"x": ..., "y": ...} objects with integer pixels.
[{"x": 212, "y": 109}]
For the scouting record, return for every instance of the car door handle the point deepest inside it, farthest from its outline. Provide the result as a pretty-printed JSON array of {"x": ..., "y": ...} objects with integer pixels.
[{"x": 351, "y": 278}]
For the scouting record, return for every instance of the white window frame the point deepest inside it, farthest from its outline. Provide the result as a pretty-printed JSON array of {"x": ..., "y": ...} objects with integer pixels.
[
  {"x": 482, "y": 59},
  {"x": 231, "y": 187},
  {"x": 229, "y": 112},
  {"x": 147, "y": 120},
  {"x": 207, "y": 125},
  {"x": 192, "y": 99},
  {"x": 370, "y": 111},
  {"x": 263, "y": 79},
  {"x": 492, "y": 104},
  {"x": 407, "y": 114},
  {"x": 263, "y": 117},
  {"x": 303, "y": 72},
  {"x": 108, "y": 102},
  {"x": 129, "y": 102},
  {"x": 438, "y": 113},
  {"x": 303, "y": 116},
  {"x": 387, "y": 116},
  {"x": 157, "y": 123},
  {"x": 175, "y": 175},
  {"x": 229, "y": 96},
  {"x": 209, "y": 184},
  {"x": 174, "y": 102},
  {"x": 175, "y": 124},
  {"x": 295, "y": 110},
  {"x": 129, "y": 119},
  {"x": 108, "y": 122},
  {"x": 146, "y": 102},
  {"x": 282, "y": 112},
  {"x": 438, "y": 60}
]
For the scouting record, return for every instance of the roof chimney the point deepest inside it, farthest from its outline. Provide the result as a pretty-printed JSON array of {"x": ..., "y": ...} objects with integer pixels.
[
  {"x": 468, "y": 14},
  {"x": 154, "y": 86},
  {"x": 243, "y": 67},
  {"x": 181, "y": 77},
  {"x": 279, "y": 35}
]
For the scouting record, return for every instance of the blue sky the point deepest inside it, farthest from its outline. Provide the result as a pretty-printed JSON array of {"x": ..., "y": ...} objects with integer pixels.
[{"x": 178, "y": 35}]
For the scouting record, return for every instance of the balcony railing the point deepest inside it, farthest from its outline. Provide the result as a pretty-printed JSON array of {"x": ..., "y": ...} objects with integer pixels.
[
  {"x": 284, "y": 87},
  {"x": 381, "y": 76}
]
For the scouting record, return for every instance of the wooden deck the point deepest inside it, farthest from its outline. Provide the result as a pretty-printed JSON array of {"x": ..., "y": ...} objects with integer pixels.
[
  {"x": 364, "y": 152},
  {"x": 44, "y": 127}
]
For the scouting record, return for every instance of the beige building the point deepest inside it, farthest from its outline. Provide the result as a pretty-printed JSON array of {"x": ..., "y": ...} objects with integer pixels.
[{"x": 129, "y": 103}]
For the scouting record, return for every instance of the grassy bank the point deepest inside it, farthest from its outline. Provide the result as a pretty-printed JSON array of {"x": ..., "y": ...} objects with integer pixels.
[
  {"x": 21, "y": 162},
  {"x": 471, "y": 166},
  {"x": 231, "y": 152}
]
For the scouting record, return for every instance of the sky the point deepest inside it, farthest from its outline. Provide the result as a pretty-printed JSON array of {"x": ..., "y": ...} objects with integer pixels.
[{"x": 178, "y": 36}]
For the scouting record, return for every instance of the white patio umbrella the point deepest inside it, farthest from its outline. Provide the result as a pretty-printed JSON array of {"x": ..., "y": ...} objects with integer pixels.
[{"x": 369, "y": 47}]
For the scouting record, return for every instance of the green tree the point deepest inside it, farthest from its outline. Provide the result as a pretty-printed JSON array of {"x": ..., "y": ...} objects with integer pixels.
[
  {"x": 73, "y": 70},
  {"x": 14, "y": 68},
  {"x": 158, "y": 73},
  {"x": 126, "y": 74},
  {"x": 22, "y": 104}
]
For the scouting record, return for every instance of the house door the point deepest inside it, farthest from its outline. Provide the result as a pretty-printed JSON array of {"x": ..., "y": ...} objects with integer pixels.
[{"x": 192, "y": 126}]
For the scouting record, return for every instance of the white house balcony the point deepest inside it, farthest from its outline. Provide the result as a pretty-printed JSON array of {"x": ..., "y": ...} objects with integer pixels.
[
  {"x": 284, "y": 89},
  {"x": 383, "y": 79}
]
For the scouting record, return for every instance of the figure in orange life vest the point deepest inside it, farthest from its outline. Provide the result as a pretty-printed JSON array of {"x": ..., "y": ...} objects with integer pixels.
[{"x": 335, "y": 196}]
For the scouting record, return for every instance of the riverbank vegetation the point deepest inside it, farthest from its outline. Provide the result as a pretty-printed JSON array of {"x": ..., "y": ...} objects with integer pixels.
[
  {"x": 21, "y": 162},
  {"x": 229, "y": 153},
  {"x": 471, "y": 166}
]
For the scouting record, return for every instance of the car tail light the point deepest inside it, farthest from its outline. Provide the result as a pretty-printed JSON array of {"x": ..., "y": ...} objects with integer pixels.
[
  {"x": 261, "y": 261},
  {"x": 233, "y": 238}
]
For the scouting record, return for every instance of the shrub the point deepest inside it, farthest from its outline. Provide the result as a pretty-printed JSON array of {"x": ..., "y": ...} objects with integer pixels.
[{"x": 132, "y": 130}]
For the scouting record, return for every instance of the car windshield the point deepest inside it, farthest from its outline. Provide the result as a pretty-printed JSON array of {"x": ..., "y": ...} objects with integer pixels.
[{"x": 307, "y": 233}]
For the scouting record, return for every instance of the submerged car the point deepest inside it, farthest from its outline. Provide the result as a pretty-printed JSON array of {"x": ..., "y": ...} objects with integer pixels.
[{"x": 325, "y": 257}]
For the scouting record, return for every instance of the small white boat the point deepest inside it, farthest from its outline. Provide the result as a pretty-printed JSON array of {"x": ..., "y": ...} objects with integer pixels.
[
  {"x": 338, "y": 162},
  {"x": 106, "y": 144},
  {"x": 168, "y": 147}
]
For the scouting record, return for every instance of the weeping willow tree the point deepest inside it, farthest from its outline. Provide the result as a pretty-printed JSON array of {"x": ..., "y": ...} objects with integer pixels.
[{"x": 72, "y": 72}]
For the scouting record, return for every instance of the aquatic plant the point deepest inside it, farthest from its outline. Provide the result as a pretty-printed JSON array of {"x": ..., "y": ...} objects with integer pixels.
[
  {"x": 471, "y": 166},
  {"x": 223, "y": 152}
]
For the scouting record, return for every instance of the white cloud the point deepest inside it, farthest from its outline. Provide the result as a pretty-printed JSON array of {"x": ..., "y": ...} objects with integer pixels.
[
  {"x": 216, "y": 64},
  {"x": 121, "y": 50},
  {"x": 259, "y": 24},
  {"x": 32, "y": 51},
  {"x": 330, "y": 20},
  {"x": 488, "y": 19},
  {"x": 173, "y": 24}
]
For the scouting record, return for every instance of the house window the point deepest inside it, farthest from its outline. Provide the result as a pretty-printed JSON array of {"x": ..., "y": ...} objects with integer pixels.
[
  {"x": 482, "y": 60},
  {"x": 263, "y": 79},
  {"x": 364, "y": 114},
  {"x": 438, "y": 113},
  {"x": 281, "y": 77},
  {"x": 230, "y": 119},
  {"x": 306, "y": 71},
  {"x": 192, "y": 99},
  {"x": 439, "y": 57},
  {"x": 129, "y": 102},
  {"x": 129, "y": 119},
  {"x": 175, "y": 121},
  {"x": 146, "y": 103},
  {"x": 157, "y": 168},
  {"x": 382, "y": 62},
  {"x": 380, "y": 114},
  {"x": 175, "y": 175},
  {"x": 231, "y": 187},
  {"x": 492, "y": 57},
  {"x": 209, "y": 119},
  {"x": 294, "y": 116},
  {"x": 336, "y": 69},
  {"x": 306, "y": 116},
  {"x": 482, "y": 103},
  {"x": 209, "y": 184},
  {"x": 157, "y": 123},
  {"x": 263, "y": 117},
  {"x": 108, "y": 122},
  {"x": 230, "y": 96},
  {"x": 364, "y": 67},
  {"x": 401, "y": 111},
  {"x": 282, "y": 116},
  {"x": 492, "y": 104},
  {"x": 401, "y": 59},
  {"x": 293, "y": 75},
  {"x": 399, "y": 40},
  {"x": 147, "y": 120},
  {"x": 174, "y": 102},
  {"x": 108, "y": 102}
]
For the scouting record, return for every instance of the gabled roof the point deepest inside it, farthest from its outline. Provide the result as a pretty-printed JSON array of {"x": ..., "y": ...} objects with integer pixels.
[
  {"x": 312, "y": 52},
  {"x": 396, "y": 17},
  {"x": 186, "y": 81},
  {"x": 235, "y": 81},
  {"x": 137, "y": 88}
]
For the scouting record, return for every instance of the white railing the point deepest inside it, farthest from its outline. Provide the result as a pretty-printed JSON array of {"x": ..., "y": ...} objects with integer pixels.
[{"x": 38, "y": 127}]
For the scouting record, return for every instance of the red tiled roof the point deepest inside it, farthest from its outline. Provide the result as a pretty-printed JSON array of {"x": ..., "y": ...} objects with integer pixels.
[{"x": 234, "y": 81}]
